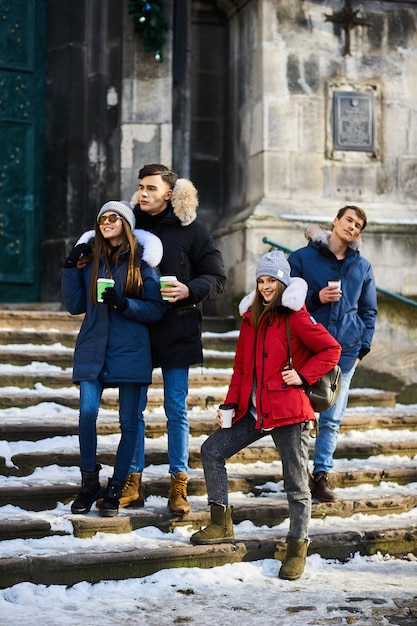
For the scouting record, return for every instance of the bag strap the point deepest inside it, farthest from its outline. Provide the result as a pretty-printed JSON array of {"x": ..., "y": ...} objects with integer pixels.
[{"x": 287, "y": 324}]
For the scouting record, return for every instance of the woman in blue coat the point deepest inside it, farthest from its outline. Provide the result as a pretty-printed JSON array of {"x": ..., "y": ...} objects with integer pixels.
[{"x": 113, "y": 346}]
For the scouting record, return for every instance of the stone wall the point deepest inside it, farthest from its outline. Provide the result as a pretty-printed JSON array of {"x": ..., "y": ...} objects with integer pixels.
[
  {"x": 146, "y": 120},
  {"x": 286, "y": 62}
]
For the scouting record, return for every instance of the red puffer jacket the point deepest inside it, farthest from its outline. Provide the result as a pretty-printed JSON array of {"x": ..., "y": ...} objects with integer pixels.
[{"x": 314, "y": 353}]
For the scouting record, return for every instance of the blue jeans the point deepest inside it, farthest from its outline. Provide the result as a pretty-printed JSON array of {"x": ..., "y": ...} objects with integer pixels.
[
  {"x": 292, "y": 445},
  {"x": 175, "y": 406},
  {"x": 329, "y": 424},
  {"x": 90, "y": 396}
]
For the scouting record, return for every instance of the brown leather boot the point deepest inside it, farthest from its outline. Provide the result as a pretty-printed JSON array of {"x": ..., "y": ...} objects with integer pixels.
[
  {"x": 133, "y": 493},
  {"x": 321, "y": 488},
  {"x": 177, "y": 494}
]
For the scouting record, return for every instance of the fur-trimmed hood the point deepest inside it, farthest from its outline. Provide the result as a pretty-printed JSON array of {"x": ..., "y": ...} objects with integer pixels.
[
  {"x": 184, "y": 201},
  {"x": 151, "y": 244},
  {"x": 317, "y": 234},
  {"x": 293, "y": 296}
]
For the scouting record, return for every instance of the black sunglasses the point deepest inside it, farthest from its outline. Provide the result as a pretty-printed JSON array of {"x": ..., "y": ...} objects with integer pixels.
[{"x": 112, "y": 218}]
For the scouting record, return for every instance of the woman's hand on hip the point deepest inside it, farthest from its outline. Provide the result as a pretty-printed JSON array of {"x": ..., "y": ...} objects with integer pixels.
[{"x": 291, "y": 378}]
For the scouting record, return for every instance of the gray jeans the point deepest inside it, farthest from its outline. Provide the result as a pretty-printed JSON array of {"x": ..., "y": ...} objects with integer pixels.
[{"x": 292, "y": 445}]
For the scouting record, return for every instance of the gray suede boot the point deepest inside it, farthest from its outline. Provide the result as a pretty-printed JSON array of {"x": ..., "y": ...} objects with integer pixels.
[{"x": 220, "y": 529}]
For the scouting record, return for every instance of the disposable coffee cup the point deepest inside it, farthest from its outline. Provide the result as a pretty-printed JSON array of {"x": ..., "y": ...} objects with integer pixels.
[
  {"x": 228, "y": 411},
  {"x": 163, "y": 280},
  {"x": 102, "y": 284},
  {"x": 334, "y": 282}
]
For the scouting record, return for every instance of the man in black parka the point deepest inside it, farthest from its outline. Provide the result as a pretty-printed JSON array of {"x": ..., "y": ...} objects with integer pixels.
[{"x": 167, "y": 206}]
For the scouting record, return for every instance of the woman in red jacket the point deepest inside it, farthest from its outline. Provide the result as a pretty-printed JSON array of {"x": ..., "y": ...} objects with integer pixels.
[{"x": 269, "y": 398}]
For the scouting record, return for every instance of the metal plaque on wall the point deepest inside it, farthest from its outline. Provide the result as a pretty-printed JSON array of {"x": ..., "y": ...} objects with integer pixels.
[{"x": 353, "y": 121}]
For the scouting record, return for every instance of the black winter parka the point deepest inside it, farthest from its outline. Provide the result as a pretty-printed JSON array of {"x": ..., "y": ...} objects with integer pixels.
[{"x": 189, "y": 253}]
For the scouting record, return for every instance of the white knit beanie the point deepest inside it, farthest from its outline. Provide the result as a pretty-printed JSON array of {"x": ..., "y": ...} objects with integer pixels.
[
  {"x": 274, "y": 264},
  {"x": 122, "y": 209}
]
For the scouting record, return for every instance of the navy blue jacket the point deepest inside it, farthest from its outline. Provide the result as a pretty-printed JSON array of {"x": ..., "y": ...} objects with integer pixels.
[
  {"x": 351, "y": 320},
  {"x": 112, "y": 345}
]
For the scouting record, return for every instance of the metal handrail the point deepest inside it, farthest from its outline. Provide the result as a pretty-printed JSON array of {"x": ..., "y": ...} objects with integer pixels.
[{"x": 391, "y": 294}]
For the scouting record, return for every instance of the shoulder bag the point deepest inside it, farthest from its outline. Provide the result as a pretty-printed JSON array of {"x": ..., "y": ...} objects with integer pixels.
[{"x": 323, "y": 393}]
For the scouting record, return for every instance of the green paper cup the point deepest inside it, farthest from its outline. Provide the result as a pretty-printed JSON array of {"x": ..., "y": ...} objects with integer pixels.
[
  {"x": 163, "y": 280},
  {"x": 102, "y": 284}
]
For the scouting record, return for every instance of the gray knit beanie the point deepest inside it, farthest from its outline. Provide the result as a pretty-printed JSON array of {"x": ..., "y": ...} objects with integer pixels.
[
  {"x": 274, "y": 264},
  {"x": 122, "y": 209}
]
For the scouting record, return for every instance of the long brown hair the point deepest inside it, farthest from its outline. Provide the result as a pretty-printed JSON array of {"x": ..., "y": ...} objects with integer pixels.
[
  {"x": 259, "y": 308},
  {"x": 101, "y": 249}
]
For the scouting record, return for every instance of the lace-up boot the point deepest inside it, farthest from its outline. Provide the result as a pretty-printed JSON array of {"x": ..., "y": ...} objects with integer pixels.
[
  {"x": 177, "y": 494},
  {"x": 321, "y": 489}
]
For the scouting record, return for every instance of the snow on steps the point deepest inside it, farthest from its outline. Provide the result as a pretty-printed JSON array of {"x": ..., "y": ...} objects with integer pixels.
[{"x": 380, "y": 517}]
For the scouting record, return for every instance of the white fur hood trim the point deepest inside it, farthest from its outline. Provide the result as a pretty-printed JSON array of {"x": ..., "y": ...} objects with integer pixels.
[
  {"x": 318, "y": 234},
  {"x": 293, "y": 297},
  {"x": 184, "y": 201},
  {"x": 151, "y": 244}
]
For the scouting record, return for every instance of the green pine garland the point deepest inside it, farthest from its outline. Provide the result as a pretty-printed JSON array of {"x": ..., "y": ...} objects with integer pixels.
[{"x": 149, "y": 22}]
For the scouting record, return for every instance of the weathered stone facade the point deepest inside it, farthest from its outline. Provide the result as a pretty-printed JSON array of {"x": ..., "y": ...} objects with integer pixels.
[
  {"x": 279, "y": 168},
  {"x": 252, "y": 102}
]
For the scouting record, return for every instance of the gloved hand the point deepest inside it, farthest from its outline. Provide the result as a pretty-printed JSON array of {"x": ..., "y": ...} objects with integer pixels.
[
  {"x": 77, "y": 253},
  {"x": 111, "y": 297}
]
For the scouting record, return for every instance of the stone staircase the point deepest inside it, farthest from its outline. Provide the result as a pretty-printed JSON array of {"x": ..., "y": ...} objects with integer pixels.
[{"x": 375, "y": 471}]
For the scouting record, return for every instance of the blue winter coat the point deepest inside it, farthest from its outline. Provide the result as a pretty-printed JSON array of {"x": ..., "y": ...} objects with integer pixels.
[
  {"x": 351, "y": 320},
  {"x": 112, "y": 345}
]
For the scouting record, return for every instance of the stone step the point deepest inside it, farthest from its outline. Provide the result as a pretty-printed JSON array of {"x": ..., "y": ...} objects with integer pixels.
[
  {"x": 198, "y": 377},
  {"x": 41, "y": 318},
  {"x": 62, "y": 356},
  {"x": 31, "y": 428},
  {"x": 69, "y": 397},
  {"x": 95, "y": 566},
  {"x": 51, "y": 316},
  {"x": 199, "y": 395},
  {"x": 32, "y": 337},
  {"x": 156, "y": 454},
  {"x": 260, "y": 511},
  {"x": 257, "y": 482},
  {"x": 48, "y": 337}
]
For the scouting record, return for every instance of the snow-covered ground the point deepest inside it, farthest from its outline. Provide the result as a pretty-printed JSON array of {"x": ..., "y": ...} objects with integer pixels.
[{"x": 371, "y": 591}]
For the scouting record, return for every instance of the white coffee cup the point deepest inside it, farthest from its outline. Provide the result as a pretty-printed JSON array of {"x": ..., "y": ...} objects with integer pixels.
[
  {"x": 228, "y": 413},
  {"x": 334, "y": 282}
]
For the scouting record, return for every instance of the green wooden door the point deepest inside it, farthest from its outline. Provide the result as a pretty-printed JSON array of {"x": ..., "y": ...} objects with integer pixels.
[{"x": 22, "y": 53}]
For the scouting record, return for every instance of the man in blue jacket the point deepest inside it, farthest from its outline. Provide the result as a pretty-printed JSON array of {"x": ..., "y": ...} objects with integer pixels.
[{"x": 347, "y": 309}]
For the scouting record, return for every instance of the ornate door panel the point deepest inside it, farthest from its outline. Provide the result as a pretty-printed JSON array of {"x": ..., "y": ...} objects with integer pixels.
[{"x": 22, "y": 48}]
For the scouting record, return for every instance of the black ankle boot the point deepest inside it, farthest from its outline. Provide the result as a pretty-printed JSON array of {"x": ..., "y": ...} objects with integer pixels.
[
  {"x": 90, "y": 491},
  {"x": 110, "y": 505}
]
